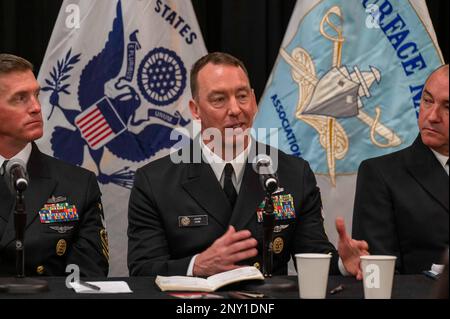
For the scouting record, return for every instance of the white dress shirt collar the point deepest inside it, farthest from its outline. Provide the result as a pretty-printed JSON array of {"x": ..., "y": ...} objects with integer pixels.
[
  {"x": 218, "y": 164},
  {"x": 23, "y": 155},
  {"x": 442, "y": 159}
]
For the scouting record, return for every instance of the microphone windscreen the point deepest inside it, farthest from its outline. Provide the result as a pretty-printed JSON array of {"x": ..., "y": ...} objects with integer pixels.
[{"x": 13, "y": 163}]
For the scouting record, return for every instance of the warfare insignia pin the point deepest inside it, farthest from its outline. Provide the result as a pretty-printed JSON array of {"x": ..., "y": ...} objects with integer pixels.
[
  {"x": 61, "y": 229},
  {"x": 280, "y": 228},
  {"x": 56, "y": 199}
]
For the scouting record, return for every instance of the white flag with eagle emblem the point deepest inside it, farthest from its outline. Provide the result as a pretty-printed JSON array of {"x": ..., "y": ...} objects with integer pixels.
[{"x": 115, "y": 84}]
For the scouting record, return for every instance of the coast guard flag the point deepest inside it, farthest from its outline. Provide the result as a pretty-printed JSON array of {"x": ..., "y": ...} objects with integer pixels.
[
  {"x": 347, "y": 86},
  {"x": 115, "y": 84}
]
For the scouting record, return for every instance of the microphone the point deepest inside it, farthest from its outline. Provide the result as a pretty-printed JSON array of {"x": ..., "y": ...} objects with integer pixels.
[
  {"x": 267, "y": 175},
  {"x": 264, "y": 167},
  {"x": 16, "y": 171}
]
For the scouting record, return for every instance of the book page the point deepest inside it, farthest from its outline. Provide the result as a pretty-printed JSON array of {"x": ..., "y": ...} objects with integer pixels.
[
  {"x": 236, "y": 275},
  {"x": 182, "y": 283}
]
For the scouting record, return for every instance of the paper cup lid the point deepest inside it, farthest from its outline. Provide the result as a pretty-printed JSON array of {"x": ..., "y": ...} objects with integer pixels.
[{"x": 313, "y": 255}]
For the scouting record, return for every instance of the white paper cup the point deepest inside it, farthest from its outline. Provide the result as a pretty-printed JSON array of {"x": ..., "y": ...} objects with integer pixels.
[
  {"x": 312, "y": 273},
  {"x": 378, "y": 276}
]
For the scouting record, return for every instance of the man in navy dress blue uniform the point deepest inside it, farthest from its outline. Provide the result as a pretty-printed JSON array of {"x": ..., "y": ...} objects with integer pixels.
[
  {"x": 401, "y": 203},
  {"x": 202, "y": 218},
  {"x": 64, "y": 213}
]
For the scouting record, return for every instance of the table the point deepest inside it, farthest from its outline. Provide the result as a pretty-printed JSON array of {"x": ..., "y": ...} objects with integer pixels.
[{"x": 405, "y": 287}]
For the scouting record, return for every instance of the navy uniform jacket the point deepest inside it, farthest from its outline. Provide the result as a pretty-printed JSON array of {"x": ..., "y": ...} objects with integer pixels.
[
  {"x": 49, "y": 248},
  {"x": 401, "y": 207},
  {"x": 164, "y": 193}
]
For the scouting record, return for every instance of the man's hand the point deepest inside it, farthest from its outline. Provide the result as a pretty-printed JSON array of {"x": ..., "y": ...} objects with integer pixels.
[
  {"x": 225, "y": 252},
  {"x": 350, "y": 250}
]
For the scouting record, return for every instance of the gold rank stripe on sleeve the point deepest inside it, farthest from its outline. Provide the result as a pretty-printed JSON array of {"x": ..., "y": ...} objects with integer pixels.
[{"x": 104, "y": 242}]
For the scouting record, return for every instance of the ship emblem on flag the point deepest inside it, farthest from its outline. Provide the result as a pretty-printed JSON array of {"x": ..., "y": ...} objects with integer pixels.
[
  {"x": 338, "y": 94},
  {"x": 340, "y": 91}
]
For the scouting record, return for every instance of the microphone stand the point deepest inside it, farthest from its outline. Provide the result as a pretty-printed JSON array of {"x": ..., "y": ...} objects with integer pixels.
[
  {"x": 20, "y": 220},
  {"x": 20, "y": 284},
  {"x": 268, "y": 225}
]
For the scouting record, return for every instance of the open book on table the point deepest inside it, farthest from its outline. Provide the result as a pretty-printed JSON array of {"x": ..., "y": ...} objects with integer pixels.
[{"x": 212, "y": 283}]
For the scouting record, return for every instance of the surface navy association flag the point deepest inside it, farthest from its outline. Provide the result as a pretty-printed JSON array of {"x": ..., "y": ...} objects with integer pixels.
[
  {"x": 347, "y": 86},
  {"x": 115, "y": 84}
]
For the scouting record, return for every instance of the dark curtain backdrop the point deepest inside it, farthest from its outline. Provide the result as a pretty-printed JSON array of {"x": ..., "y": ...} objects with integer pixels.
[{"x": 249, "y": 29}]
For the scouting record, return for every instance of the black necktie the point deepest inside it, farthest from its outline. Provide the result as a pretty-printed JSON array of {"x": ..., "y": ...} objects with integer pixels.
[
  {"x": 3, "y": 168},
  {"x": 228, "y": 187}
]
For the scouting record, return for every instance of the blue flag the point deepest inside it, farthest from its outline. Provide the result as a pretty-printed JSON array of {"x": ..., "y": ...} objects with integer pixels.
[{"x": 347, "y": 86}]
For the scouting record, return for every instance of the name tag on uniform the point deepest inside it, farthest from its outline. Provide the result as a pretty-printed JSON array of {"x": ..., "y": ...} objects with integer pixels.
[{"x": 192, "y": 221}]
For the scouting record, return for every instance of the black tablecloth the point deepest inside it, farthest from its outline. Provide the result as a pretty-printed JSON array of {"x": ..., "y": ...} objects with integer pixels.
[{"x": 405, "y": 287}]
